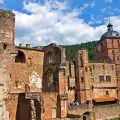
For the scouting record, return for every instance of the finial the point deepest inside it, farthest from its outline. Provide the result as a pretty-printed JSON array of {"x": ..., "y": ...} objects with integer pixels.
[{"x": 110, "y": 26}]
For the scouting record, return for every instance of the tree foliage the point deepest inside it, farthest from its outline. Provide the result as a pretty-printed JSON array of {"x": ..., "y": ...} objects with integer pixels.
[{"x": 72, "y": 49}]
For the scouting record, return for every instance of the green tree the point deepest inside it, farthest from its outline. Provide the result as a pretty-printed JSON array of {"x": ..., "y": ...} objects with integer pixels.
[{"x": 72, "y": 49}]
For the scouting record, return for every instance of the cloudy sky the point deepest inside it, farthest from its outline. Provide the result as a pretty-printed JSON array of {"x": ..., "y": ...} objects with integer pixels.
[{"x": 40, "y": 22}]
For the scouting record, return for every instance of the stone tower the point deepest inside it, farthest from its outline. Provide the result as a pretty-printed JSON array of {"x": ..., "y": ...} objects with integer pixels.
[
  {"x": 7, "y": 25},
  {"x": 82, "y": 76},
  {"x": 7, "y": 55},
  {"x": 108, "y": 50}
]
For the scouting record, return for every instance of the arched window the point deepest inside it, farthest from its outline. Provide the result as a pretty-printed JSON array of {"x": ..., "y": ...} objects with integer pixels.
[
  {"x": 50, "y": 78},
  {"x": 50, "y": 59},
  {"x": 51, "y": 81},
  {"x": 20, "y": 58}
]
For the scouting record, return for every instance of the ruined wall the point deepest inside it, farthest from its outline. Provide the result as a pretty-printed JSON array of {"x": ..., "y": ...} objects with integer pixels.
[
  {"x": 7, "y": 23},
  {"x": 7, "y": 55},
  {"x": 11, "y": 105},
  {"x": 50, "y": 105},
  {"x": 29, "y": 73},
  {"x": 54, "y": 58},
  {"x": 83, "y": 82},
  {"x": 6, "y": 60}
]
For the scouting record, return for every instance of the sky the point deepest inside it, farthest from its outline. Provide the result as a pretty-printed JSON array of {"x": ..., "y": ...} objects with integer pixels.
[{"x": 65, "y": 22}]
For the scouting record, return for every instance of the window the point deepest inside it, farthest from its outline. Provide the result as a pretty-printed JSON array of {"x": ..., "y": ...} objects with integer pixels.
[
  {"x": 113, "y": 59},
  {"x": 118, "y": 58},
  {"x": 81, "y": 60},
  {"x": 103, "y": 67},
  {"x": 112, "y": 52},
  {"x": 82, "y": 79},
  {"x": 112, "y": 43},
  {"x": 108, "y": 78},
  {"x": 101, "y": 78},
  {"x": 107, "y": 93},
  {"x": 5, "y": 45},
  {"x": 117, "y": 91},
  {"x": 16, "y": 83},
  {"x": 29, "y": 61},
  {"x": 93, "y": 67},
  {"x": 50, "y": 80},
  {"x": 50, "y": 59},
  {"x": 20, "y": 58},
  {"x": 86, "y": 70},
  {"x": 112, "y": 67}
]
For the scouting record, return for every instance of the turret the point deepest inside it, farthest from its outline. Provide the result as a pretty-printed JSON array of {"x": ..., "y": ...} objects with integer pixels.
[{"x": 7, "y": 26}]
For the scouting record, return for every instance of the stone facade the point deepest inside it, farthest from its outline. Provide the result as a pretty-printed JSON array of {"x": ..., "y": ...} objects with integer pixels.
[{"x": 40, "y": 84}]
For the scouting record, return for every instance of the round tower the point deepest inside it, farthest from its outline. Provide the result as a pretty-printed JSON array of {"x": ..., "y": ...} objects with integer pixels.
[{"x": 7, "y": 27}]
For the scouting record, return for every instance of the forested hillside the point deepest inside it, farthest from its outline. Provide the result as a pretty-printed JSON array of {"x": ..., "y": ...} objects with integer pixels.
[{"x": 71, "y": 49}]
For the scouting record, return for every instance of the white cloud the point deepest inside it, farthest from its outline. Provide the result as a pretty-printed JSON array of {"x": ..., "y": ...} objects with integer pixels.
[
  {"x": 108, "y": 1},
  {"x": 2, "y": 1},
  {"x": 52, "y": 24},
  {"x": 86, "y": 5}
]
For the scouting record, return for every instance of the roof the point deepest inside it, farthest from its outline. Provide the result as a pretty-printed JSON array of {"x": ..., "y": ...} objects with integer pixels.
[
  {"x": 104, "y": 99},
  {"x": 110, "y": 34}
]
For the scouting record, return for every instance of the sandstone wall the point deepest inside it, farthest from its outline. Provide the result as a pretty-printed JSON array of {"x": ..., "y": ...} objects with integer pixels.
[
  {"x": 7, "y": 23},
  {"x": 106, "y": 112}
]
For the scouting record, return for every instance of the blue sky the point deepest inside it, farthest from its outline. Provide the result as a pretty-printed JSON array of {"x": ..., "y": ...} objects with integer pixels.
[{"x": 41, "y": 22}]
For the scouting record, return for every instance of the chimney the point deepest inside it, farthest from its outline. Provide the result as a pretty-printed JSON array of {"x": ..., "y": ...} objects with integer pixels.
[{"x": 27, "y": 45}]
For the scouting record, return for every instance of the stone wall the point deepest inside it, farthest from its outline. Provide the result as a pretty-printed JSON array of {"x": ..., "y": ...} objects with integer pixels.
[
  {"x": 100, "y": 86},
  {"x": 28, "y": 73},
  {"x": 106, "y": 112},
  {"x": 7, "y": 23},
  {"x": 7, "y": 55},
  {"x": 83, "y": 82}
]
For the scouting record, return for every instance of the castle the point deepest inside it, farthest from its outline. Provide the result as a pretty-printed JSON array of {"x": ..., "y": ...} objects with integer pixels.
[{"x": 38, "y": 83}]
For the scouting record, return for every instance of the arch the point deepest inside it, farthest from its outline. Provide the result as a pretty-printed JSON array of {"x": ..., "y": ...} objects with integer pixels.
[
  {"x": 20, "y": 58},
  {"x": 50, "y": 80}
]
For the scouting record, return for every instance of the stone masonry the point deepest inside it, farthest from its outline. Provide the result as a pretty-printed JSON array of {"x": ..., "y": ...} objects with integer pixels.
[{"x": 38, "y": 83}]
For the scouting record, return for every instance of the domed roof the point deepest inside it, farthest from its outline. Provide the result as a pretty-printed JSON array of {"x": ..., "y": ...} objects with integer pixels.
[{"x": 110, "y": 33}]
